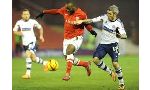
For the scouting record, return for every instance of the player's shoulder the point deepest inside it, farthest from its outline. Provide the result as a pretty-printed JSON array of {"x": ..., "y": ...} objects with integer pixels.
[
  {"x": 103, "y": 16},
  {"x": 33, "y": 21},
  {"x": 19, "y": 21},
  {"x": 119, "y": 20},
  {"x": 80, "y": 11}
]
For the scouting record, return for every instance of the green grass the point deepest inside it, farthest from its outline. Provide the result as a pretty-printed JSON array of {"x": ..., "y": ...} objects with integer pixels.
[{"x": 99, "y": 80}]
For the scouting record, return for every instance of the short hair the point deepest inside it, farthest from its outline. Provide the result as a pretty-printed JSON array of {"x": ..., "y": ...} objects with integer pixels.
[
  {"x": 26, "y": 10},
  {"x": 71, "y": 4},
  {"x": 114, "y": 9}
]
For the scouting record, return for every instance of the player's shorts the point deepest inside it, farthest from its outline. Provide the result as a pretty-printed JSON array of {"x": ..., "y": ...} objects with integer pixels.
[
  {"x": 76, "y": 41},
  {"x": 111, "y": 49},
  {"x": 31, "y": 47}
]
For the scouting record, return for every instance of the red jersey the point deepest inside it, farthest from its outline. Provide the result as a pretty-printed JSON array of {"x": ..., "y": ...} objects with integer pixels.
[{"x": 70, "y": 30}]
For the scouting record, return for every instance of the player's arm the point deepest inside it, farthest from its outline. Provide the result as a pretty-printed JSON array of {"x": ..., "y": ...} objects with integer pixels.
[
  {"x": 50, "y": 11},
  {"x": 120, "y": 32},
  {"x": 19, "y": 33},
  {"x": 90, "y": 29},
  {"x": 15, "y": 30},
  {"x": 121, "y": 36},
  {"x": 88, "y": 21}
]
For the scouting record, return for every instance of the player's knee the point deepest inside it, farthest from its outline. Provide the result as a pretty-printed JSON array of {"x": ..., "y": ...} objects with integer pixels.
[
  {"x": 96, "y": 60},
  {"x": 28, "y": 54},
  {"x": 115, "y": 64},
  {"x": 70, "y": 49},
  {"x": 33, "y": 57}
]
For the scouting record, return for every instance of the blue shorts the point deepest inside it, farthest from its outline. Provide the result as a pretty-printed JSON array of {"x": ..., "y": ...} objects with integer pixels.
[
  {"x": 31, "y": 46},
  {"x": 111, "y": 49}
]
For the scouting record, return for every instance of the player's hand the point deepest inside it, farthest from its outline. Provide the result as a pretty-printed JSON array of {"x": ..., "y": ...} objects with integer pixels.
[
  {"x": 87, "y": 21},
  {"x": 93, "y": 33},
  {"x": 78, "y": 22},
  {"x": 18, "y": 33},
  {"x": 39, "y": 16},
  {"x": 42, "y": 38}
]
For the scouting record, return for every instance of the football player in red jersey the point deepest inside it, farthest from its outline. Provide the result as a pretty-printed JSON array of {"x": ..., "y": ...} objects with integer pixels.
[{"x": 73, "y": 35}]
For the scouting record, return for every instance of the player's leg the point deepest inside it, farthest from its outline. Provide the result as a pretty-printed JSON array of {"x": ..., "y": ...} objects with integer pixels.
[
  {"x": 28, "y": 65},
  {"x": 98, "y": 55},
  {"x": 70, "y": 57},
  {"x": 85, "y": 64},
  {"x": 119, "y": 75},
  {"x": 39, "y": 61},
  {"x": 114, "y": 56},
  {"x": 77, "y": 62}
]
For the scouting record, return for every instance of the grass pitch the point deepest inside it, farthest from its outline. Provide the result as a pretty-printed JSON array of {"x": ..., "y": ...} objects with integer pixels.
[{"x": 52, "y": 80}]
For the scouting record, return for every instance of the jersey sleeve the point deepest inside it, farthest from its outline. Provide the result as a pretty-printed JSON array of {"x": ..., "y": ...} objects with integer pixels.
[
  {"x": 80, "y": 15},
  {"x": 99, "y": 18},
  {"x": 55, "y": 11},
  {"x": 62, "y": 10},
  {"x": 36, "y": 24},
  {"x": 16, "y": 27},
  {"x": 121, "y": 28}
]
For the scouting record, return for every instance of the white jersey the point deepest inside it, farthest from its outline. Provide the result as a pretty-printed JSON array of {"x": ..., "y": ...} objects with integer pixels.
[
  {"x": 26, "y": 27},
  {"x": 108, "y": 32}
]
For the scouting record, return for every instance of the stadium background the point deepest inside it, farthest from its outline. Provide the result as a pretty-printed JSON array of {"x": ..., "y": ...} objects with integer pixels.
[{"x": 53, "y": 24}]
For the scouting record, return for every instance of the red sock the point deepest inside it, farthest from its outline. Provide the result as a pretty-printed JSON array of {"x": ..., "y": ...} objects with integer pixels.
[
  {"x": 69, "y": 66},
  {"x": 83, "y": 63}
]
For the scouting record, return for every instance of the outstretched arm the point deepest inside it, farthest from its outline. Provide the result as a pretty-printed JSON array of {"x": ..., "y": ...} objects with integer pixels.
[{"x": 50, "y": 11}]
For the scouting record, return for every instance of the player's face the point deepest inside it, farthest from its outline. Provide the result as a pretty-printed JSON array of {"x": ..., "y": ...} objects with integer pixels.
[
  {"x": 70, "y": 8},
  {"x": 25, "y": 15},
  {"x": 110, "y": 15}
]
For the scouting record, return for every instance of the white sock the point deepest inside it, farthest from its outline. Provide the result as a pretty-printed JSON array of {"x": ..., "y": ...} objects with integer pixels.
[
  {"x": 120, "y": 75},
  {"x": 102, "y": 65},
  {"x": 40, "y": 61},
  {"x": 28, "y": 66}
]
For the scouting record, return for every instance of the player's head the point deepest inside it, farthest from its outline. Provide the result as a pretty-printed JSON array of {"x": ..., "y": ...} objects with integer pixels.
[
  {"x": 112, "y": 12},
  {"x": 71, "y": 8},
  {"x": 25, "y": 14}
]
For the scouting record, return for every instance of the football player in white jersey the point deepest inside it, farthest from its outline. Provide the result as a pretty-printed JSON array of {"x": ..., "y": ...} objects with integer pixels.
[
  {"x": 25, "y": 28},
  {"x": 112, "y": 29}
]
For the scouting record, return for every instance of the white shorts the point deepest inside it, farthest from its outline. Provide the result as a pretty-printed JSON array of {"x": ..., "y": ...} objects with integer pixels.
[{"x": 76, "y": 41}]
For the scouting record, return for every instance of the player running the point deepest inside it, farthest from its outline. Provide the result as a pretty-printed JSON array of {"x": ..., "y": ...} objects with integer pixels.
[
  {"x": 73, "y": 35},
  {"x": 24, "y": 28},
  {"x": 112, "y": 29}
]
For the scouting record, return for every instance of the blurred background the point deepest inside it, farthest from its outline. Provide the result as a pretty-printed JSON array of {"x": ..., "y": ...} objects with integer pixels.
[{"x": 53, "y": 25}]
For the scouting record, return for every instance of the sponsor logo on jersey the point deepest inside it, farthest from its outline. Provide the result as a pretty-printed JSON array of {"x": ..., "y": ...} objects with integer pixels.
[
  {"x": 26, "y": 29},
  {"x": 107, "y": 29}
]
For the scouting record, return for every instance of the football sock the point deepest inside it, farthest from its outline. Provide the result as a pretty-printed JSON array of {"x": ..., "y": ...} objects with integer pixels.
[
  {"x": 119, "y": 75},
  {"x": 28, "y": 65},
  {"x": 82, "y": 63},
  {"x": 69, "y": 66},
  {"x": 70, "y": 59},
  {"x": 102, "y": 65},
  {"x": 40, "y": 61}
]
